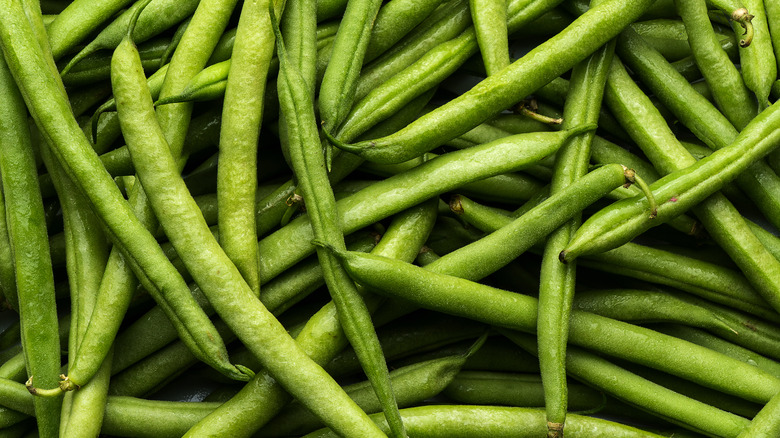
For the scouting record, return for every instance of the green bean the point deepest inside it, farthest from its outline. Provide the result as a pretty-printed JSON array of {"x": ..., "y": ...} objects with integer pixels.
[
  {"x": 154, "y": 19},
  {"x": 557, "y": 280},
  {"x": 414, "y": 383},
  {"x": 641, "y": 392},
  {"x": 339, "y": 81},
  {"x": 175, "y": 39},
  {"x": 722, "y": 220},
  {"x": 395, "y": 20},
  {"x": 322, "y": 337},
  {"x": 474, "y": 421},
  {"x": 96, "y": 68},
  {"x": 681, "y": 190},
  {"x": 7, "y": 270},
  {"x": 241, "y": 118},
  {"x": 647, "y": 306},
  {"x": 513, "y": 389},
  {"x": 243, "y": 313},
  {"x": 32, "y": 261},
  {"x": 765, "y": 423},
  {"x": 730, "y": 92},
  {"x": 489, "y": 19},
  {"x": 701, "y": 117},
  {"x": 77, "y": 21},
  {"x": 404, "y": 190},
  {"x": 87, "y": 249},
  {"x": 759, "y": 66},
  {"x": 309, "y": 167},
  {"x": 543, "y": 64}
]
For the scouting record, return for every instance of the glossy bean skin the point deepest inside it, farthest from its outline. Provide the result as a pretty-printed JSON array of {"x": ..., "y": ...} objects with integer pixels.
[
  {"x": 321, "y": 337},
  {"x": 489, "y": 19},
  {"x": 680, "y": 190},
  {"x": 729, "y": 89},
  {"x": 556, "y": 280},
  {"x": 408, "y": 188},
  {"x": 536, "y": 68},
  {"x": 214, "y": 272},
  {"x": 155, "y": 18},
  {"x": 457, "y": 296},
  {"x": 476, "y": 421},
  {"x": 644, "y": 393},
  {"x": 759, "y": 66},
  {"x": 699, "y": 115},
  {"x": 32, "y": 261},
  {"x": 705, "y": 279},
  {"x": 77, "y": 21},
  {"x": 721, "y": 219}
]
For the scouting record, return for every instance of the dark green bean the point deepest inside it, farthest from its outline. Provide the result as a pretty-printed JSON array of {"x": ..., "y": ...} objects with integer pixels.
[{"x": 758, "y": 63}]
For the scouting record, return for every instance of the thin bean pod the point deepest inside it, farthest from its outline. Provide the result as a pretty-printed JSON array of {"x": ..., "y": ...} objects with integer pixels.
[
  {"x": 540, "y": 66},
  {"x": 32, "y": 261}
]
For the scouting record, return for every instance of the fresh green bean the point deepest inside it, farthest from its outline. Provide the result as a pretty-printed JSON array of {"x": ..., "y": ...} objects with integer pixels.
[
  {"x": 759, "y": 66},
  {"x": 489, "y": 19},
  {"x": 475, "y": 421},
  {"x": 32, "y": 261},
  {"x": 241, "y": 118},
  {"x": 729, "y": 90},
  {"x": 221, "y": 282},
  {"x": 641, "y": 392},
  {"x": 77, "y": 21},
  {"x": 414, "y": 383},
  {"x": 543, "y": 64},
  {"x": 395, "y": 20},
  {"x": 557, "y": 281},
  {"x": 157, "y": 17}
]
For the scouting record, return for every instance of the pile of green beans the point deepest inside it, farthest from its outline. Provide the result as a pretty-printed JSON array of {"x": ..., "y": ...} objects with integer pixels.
[{"x": 365, "y": 218}]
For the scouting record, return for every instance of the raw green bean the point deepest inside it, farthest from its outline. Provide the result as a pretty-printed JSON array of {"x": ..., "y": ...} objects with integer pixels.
[
  {"x": 721, "y": 219},
  {"x": 489, "y": 17},
  {"x": 29, "y": 244},
  {"x": 765, "y": 424},
  {"x": 477, "y": 421},
  {"x": 7, "y": 270},
  {"x": 557, "y": 281},
  {"x": 729, "y": 90},
  {"x": 518, "y": 312},
  {"x": 680, "y": 190},
  {"x": 413, "y": 384},
  {"x": 395, "y": 20},
  {"x": 157, "y": 17},
  {"x": 77, "y": 21},
  {"x": 700, "y": 116},
  {"x": 758, "y": 63},
  {"x": 641, "y": 392},
  {"x": 221, "y": 282},
  {"x": 309, "y": 166},
  {"x": 544, "y": 63},
  {"x": 241, "y": 117},
  {"x": 322, "y": 337},
  {"x": 349, "y": 48}
]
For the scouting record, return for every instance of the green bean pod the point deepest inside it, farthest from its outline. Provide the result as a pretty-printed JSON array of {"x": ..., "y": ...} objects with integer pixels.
[
  {"x": 541, "y": 65},
  {"x": 241, "y": 118},
  {"x": 349, "y": 48},
  {"x": 679, "y": 190},
  {"x": 759, "y": 66},
  {"x": 729, "y": 90},
  {"x": 556, "y": 280},
  {"x": 29, "y": 244},
  {"x": 395, "y": 20},
  {"x": 489, "y": 17},
  {"x": 414, "y": 384},
  {"x": 77, "y": 21},
  {"x": 157, "y": 17},
  {"x": 321, "y": 337},
  {"x": 220, "y": 280},
  {"x": 644, "y": 393}
]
